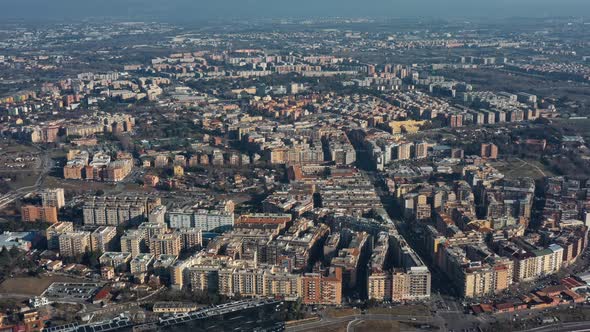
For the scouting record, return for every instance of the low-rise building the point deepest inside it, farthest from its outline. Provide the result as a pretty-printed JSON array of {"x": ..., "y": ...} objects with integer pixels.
[
  {"x": 141, "y": 263},
  {"x": 118, "y": 260}
]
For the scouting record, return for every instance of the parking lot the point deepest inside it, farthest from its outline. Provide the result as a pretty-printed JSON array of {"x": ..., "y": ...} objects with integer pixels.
[{"x": 71, "y": 291}]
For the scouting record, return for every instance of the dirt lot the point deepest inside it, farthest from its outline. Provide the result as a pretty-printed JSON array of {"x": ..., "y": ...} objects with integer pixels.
[
  {"x": 377, "y": 325},
  {"x": 336, "y": 327},
  {"x": 61, "y": 313},
  {"x": 30, "y": 285},
  {"x": 409, "y": 310},
  {"x": 10, "y": 166},
  {"x": 336, "y": 313}
]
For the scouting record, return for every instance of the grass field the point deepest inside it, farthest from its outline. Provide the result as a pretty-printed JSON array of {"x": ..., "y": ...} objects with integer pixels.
[
  {"x": 13, "y": 147},
  {"x": 516, "y": 168},
  {"x": 498, "y": 80},
  {"x": 578, "y": 126},
  {"x": 23, "y": 179},
  {"x": 573, "y": 315},
  {"x": 31, "y": 285}
]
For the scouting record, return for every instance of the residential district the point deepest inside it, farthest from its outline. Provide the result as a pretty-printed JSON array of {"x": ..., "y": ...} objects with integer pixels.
[{"x": 312, "y": 175}]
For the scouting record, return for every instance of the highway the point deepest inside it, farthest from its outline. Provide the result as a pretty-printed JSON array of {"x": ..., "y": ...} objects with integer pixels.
[
  {"x": 562, "y": 327},
  {"x": 325, "y": 322}
]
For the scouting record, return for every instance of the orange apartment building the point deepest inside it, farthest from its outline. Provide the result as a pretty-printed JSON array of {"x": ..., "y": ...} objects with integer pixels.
[
  {"x": 322, "y": 288},
  {"x": 31, "y": 213}
]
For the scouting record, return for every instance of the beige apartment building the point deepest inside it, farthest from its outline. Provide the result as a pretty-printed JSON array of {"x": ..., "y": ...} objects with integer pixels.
[
  {"x": 103, "y": 238},
  {"x": 55, "y": 230},
  {"x": 165, "y": 244},
  {"x": 133, "y": 242},
  {"x": 74, "y": 243},
  {"x": 399, "y": 285},
  {"x": 53, "y": 197}
]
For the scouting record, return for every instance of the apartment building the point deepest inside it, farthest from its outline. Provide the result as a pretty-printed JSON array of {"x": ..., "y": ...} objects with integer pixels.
[
  {"x": 157, "y": 215},
  {"x": 204, "y": 278},
  {"x": 32, "y": 213},
  {"x": 411, "y": 285},
  {"x": 72, "y": 244},
  {"x": 203, "y": 219},
  {"x": 400, "y": 285},
  {"x": 244, "y": 278},
  {"x": 379, "y": 286},
  {"x": 475, "y": 271},
  {"x": 103, "y": 238},
  {"x": 349, "y": 259},
  {"x": 537, "y": 263},
  {"x": 150, "y": 230},
  {"x": 191, "y": 238},
  {"x": 134, "y": 242},
  {"x": 55, "y": 230},
  {"x": 141, "y": 263},
  {"x": 404, "y": 151},
  {"x": 264, "y": 218},
  {"x": 179, "y": 273},
  {"x": 113, "y": 211},
  {"x": 165, "y": 244},
  {"x": 489, "y": 151},
  {"x": 118, "y": 260},
  {"x": 322, "y": 287},
  {"x": 53, "y": 197}
]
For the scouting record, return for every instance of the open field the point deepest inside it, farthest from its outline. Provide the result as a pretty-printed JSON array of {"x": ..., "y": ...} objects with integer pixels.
[
  {"x": 573, "y": 126},
  {"x": 22, "y": 179},
  {"x": 504, "y": 80},
  {"x": 376, "y": 325},
  {"x": 573, "y": 315},
  {"x": 21, "y": 173},
  {"x": 11, "y": 147},
  {"x": 405, "y": 310},
  {"x": 343, "y": 312},
  {"x": 338, "y": 327},
  {"x": 31, "y": 285},
  {"x": 515, "y": 168},
  {"x": 77, "y": 185}
]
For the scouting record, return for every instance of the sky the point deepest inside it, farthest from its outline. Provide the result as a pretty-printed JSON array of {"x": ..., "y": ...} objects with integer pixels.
[{"x": 218, "y": 9}]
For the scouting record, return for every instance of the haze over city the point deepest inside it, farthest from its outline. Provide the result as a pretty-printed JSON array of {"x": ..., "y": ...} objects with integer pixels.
[{"x": 223, "y": 9}]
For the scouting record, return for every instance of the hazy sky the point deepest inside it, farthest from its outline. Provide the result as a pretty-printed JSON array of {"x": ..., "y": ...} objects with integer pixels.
[{"x": 215, "y": 9}]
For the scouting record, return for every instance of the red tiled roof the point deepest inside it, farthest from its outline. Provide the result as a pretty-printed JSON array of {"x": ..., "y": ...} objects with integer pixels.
[{"x": 102, "y": 294}]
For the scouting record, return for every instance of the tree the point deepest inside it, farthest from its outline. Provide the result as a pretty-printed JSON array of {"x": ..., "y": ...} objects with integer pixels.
[
  {"x": 14, "y": 252},
  {"x": 91, "y": 259}
]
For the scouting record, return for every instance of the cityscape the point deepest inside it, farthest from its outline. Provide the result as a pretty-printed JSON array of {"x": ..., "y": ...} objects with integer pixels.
[{"x": 295, "y": 174}]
